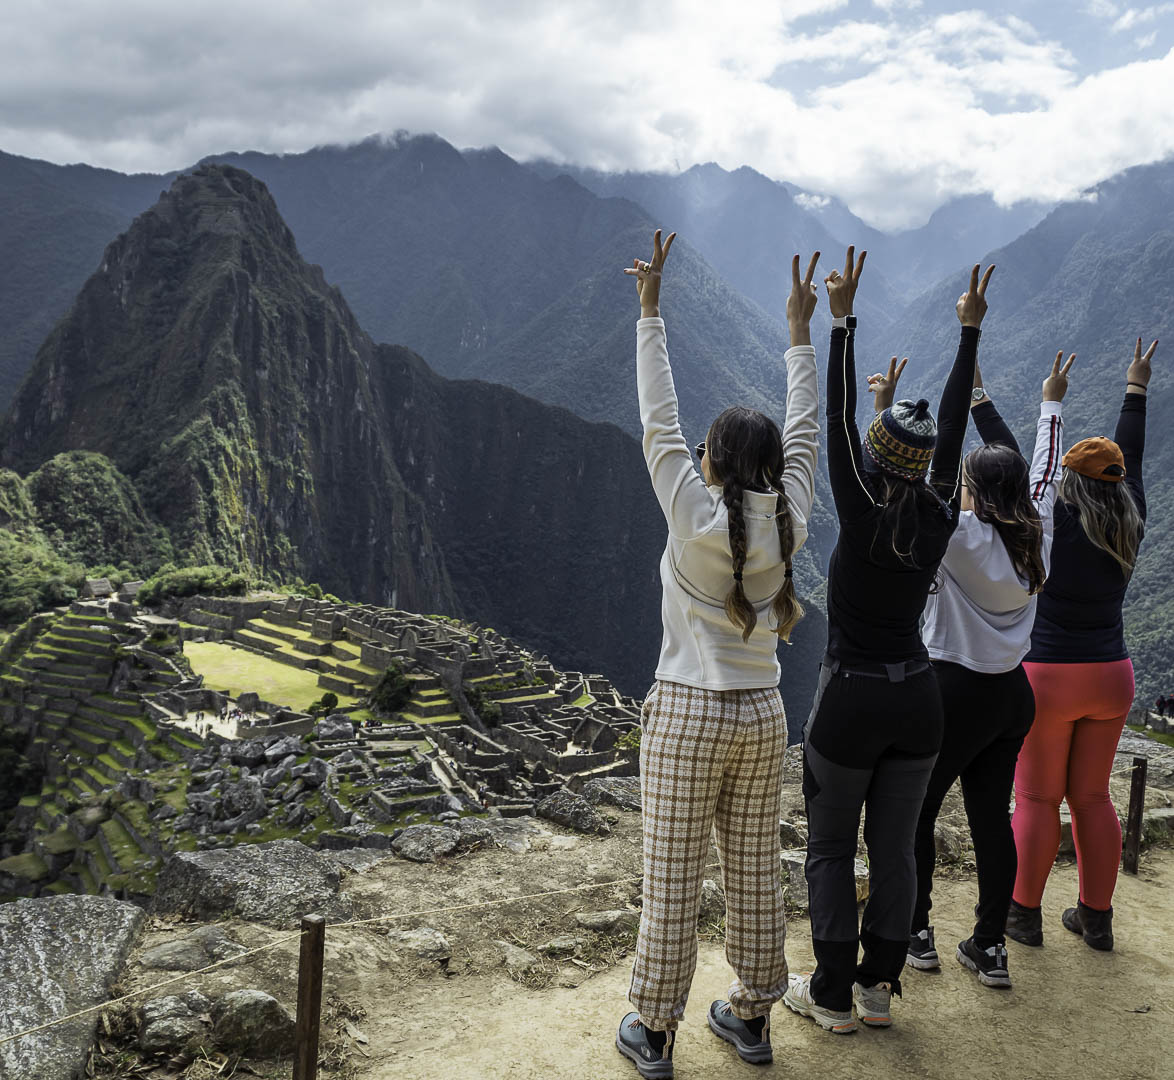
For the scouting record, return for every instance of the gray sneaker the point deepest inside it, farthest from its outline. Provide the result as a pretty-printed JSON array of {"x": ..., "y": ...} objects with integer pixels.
[
  {"x": 752, "y": 1048},
  {"x": 872, "y": 1003},
  {"x": 632, "y": 1042}
]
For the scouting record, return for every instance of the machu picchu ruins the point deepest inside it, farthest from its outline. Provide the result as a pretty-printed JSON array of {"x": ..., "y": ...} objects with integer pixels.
[{"x": 144, "y": 755}]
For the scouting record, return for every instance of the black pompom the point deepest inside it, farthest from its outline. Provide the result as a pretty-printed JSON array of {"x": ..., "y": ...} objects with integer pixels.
[{"x": 922, "y": 407}]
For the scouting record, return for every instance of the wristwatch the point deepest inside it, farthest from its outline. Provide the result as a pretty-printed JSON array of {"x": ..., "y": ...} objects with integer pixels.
[{"x": 977, "y": 394}]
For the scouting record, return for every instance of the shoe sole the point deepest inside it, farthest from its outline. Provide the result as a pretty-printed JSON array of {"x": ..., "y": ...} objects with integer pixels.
[
  {"x": 999, "y": 982},
  {"x": 923, "y": 963},
  {"x": 874, "y": 1021},
  {"x": 837, "y": 1027},
  {"x": 755, "y": 1055},
  {"x": 650, "y": 1070}
]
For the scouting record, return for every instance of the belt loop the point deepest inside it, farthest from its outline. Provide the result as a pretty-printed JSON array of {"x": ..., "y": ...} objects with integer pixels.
[{"x": 896, "y": 672}]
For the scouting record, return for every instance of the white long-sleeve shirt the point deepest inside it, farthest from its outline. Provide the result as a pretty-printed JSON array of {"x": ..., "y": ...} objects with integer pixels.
[
  {"x": 982, "y": 615},
  {"x": 701, "y": 647}
]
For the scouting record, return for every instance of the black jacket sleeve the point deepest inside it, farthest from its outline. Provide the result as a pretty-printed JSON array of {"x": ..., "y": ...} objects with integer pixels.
[
  {"x": 845, "y": 464},
  {"x": 947, "y": 459},
  {"x": 1130, "y": 436},
  {"x": 992, "y": 428}
]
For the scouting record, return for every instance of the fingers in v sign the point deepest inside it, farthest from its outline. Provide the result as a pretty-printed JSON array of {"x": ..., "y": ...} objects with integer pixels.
[
  {"x": 1056, "y": 384},
  {"x": 648, "y": 274},
  {"x": 1140, "y": 370},
  {"x": 842, "y": 289},
  {"x": 804, "y": 297}
]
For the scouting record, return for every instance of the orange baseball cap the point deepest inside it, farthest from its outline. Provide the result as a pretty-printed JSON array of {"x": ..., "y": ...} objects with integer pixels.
[{"x": 1098, "y": 458}]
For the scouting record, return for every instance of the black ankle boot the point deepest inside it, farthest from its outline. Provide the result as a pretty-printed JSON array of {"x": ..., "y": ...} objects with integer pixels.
[
  {"x": 1025, "y": 924},
  {"x": 1096, "y": 927}
]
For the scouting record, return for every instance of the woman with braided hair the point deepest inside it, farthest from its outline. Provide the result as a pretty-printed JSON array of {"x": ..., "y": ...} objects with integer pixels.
[
  {"x": 713, "y": 727},
  {"x": 876, "y": 725}
]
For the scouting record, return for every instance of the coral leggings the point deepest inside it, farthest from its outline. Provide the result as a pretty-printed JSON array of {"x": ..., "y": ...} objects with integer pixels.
[{"x": 1080, "y": 710}]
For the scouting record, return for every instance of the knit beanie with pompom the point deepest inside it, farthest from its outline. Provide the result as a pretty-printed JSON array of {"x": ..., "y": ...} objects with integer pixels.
[{"x": 901, "y": 439}]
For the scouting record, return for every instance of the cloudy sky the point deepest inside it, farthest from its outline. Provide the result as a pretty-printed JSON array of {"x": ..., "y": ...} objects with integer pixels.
[{"x": 892, "y": 105}]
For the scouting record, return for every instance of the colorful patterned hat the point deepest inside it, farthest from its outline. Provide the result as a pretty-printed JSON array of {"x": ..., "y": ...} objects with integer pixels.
[{"x": 901, "y": 439}]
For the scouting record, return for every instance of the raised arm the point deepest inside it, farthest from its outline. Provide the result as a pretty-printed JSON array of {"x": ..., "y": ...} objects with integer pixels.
[
  {"x": 991, "y": 427},
  {"x": 946, "y": 467},
  {"x": 683, "y": 498},
  {"x": 1048, "y": 452},
  {"x": 1130, "y": 433},
  {"x": 801, "y": 429},
  {"x": 845, "y": 465}
]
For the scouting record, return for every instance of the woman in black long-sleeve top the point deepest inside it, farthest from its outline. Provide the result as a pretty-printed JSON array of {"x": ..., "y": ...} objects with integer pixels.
[
  {"x": 876, "y": 726},
  {"x": 1081, "y": 674}
]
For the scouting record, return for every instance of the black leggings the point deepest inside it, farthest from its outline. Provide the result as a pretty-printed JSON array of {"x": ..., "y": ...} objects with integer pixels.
[
  {"x": 870, "y": 744},
  {"x": 987, "y": 719}
]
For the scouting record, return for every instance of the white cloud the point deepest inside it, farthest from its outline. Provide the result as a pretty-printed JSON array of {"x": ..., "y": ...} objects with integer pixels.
[
  {"x": 809, "y": 201},
  {"x": 1132, "y": 17},
  {"x": 892, "y": 118},
  {"x": 1146, "y": 40}
]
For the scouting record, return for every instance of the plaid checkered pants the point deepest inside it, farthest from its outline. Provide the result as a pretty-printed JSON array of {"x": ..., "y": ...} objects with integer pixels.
[{"x": 710, "y": 760}]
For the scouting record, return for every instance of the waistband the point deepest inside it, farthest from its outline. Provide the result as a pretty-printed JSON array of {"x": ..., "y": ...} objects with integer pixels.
[{"x": 895, "y": 673}]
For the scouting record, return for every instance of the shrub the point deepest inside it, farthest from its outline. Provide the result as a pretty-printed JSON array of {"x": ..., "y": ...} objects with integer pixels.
[
  {"x": 393, "y": 691},
  {"x": 209, "y": 580},
  {"x": 630, "y": 740},
  {"x": 329, "y": 700},
  {"x": 488, "y": 710}
]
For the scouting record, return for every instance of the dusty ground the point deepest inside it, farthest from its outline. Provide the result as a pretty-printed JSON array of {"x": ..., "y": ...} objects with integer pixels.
[{"x": 1072, "y": 1012}]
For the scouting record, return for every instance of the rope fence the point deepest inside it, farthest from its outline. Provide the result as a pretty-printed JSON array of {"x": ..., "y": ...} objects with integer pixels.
[{"x": 313, "y": 927}]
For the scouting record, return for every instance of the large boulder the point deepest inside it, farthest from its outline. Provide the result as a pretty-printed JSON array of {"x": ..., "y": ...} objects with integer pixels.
[
  {"x": 621, "y": 791},
  {"x": 282, "y": 748},
  {"x": 337, "y": 726},
  {"x": 275, "y": 883},
  {"x": 58, "y": 954},
  {"x": 246, "y": 796},
  {"x": 203, "y": 946},
  {"x": 252, "y": 1023},
  {"x": 426, "y": 843},
  {"x": 572, "y": 811}
]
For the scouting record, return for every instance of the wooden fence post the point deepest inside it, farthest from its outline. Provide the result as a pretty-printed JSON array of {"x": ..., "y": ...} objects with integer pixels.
[
  {"x": 1133, "y": 821},
  {"x": 309, "y": 998}
]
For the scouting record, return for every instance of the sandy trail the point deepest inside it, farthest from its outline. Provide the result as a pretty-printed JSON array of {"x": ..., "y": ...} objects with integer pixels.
[{"x": 1071, "y": 1013}]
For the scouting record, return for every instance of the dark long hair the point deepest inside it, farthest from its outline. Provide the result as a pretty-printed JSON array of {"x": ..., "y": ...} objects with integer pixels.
[
  {"x": 745, "y": 451},
  {"x": 904, "y": 504},
  {"x": 998, "y": 479}
]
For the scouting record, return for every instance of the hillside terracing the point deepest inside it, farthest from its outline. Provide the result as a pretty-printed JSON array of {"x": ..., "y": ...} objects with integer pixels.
[{"x": 119, "y": 721}]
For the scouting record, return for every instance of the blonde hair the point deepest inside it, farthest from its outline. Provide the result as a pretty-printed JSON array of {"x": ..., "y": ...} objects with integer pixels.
[{"x": 1108, "y": 515}]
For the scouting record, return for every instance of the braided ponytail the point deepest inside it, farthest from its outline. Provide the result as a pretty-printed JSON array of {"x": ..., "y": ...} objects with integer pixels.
[
  {"x": 739, "y": 610},
  {"x": 786, "y": 607}
]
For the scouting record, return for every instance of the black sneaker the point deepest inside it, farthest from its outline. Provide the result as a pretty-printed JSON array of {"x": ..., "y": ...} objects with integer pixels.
[
  {"x": 632, "y": 1041},
  {"x": 990, "y": 965},
  {"x": 1025, "y": 924},
  {"x": 921, "y": 954},
  {"x": 1096, "y": 927},
  {"x": 752, "y": 1046}
]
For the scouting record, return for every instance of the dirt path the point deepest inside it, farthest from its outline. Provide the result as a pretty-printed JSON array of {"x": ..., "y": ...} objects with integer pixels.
[{"x": 1071, "y": 1013}]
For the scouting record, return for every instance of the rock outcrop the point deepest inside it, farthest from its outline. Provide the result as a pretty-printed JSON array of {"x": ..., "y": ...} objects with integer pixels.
[
  {"x": 273, "y": 883},
  {"x": 58, "y": 955}
]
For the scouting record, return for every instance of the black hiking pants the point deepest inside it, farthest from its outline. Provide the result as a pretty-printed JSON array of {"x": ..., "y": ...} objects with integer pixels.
[
  {"x": 870, "y": 746},
  {"x": 987, "y": 718}
]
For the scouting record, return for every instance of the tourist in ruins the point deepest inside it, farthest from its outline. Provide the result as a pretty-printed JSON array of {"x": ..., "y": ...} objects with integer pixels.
[
  {"x": 876, "y": 724},
  {"x": 1082, "y": 675},
  {"x": 713, "y": 727},
  {"x": 978, "y": 630}
]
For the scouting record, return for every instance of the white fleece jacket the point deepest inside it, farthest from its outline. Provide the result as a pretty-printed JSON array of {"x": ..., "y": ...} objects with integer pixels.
[
  {"x": 701, "y": 647},
  {"x": 982, "y": 615}
]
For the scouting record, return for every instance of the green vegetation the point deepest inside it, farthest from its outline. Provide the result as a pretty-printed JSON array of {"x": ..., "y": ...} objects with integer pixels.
[
  {"x": 488, "y": 710},
  {"x": 392, "y": 692},
  {"x": 325, "y": 703},
  {"x": 630, "y": 740},
  {"x": 228, "y": 667},
  {"x": 173, "y": 582}
]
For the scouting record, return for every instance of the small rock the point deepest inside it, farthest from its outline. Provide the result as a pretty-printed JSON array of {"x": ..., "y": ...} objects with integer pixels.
[
  {"x": 426, "y": 843},
  {"x": 251, "y": 1022},
  {"x": 563, "y": 945},
  {"x": 516, "y": 958},
  {"x": 173, "y": 1033},
  {"x": 948, "y": 843},
  {"x": 424, "y": 943},
  {"x": 313, "y": 773},
  {"x": 791, "y": 835},
  {"x": 713, "y": 902},
  {"x": 163, "y": 812},
  {"x": 621, "y": 791},
  {"x": 608, "y": 922},
  {"x": 572, "y": 811},
  {"x": 193, "y": 951}
]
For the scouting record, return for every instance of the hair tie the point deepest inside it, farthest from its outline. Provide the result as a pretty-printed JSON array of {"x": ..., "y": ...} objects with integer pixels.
[
  {"x": 737, "y": 575},
  {"x": 789, "y": 572}
]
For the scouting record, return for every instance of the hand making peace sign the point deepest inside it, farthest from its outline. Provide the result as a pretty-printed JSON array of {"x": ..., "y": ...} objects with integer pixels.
[
  {"x": 971, "y": 306},
  {"x": 647, "y": 275},
  {"x": 842, "y": 290}
]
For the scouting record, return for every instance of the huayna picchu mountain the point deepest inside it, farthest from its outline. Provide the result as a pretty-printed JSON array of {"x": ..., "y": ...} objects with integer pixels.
[{"x": 261, "y": 426}]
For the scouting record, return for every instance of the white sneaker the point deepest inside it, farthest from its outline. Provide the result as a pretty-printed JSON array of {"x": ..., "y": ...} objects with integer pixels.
[
  {"x": 798, "y": 999},
  {"x": 872, "y": 1003}
]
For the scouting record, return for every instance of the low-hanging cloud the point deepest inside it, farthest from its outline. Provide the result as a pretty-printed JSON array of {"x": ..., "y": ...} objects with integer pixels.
[{"x": 892, "y": 106}]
